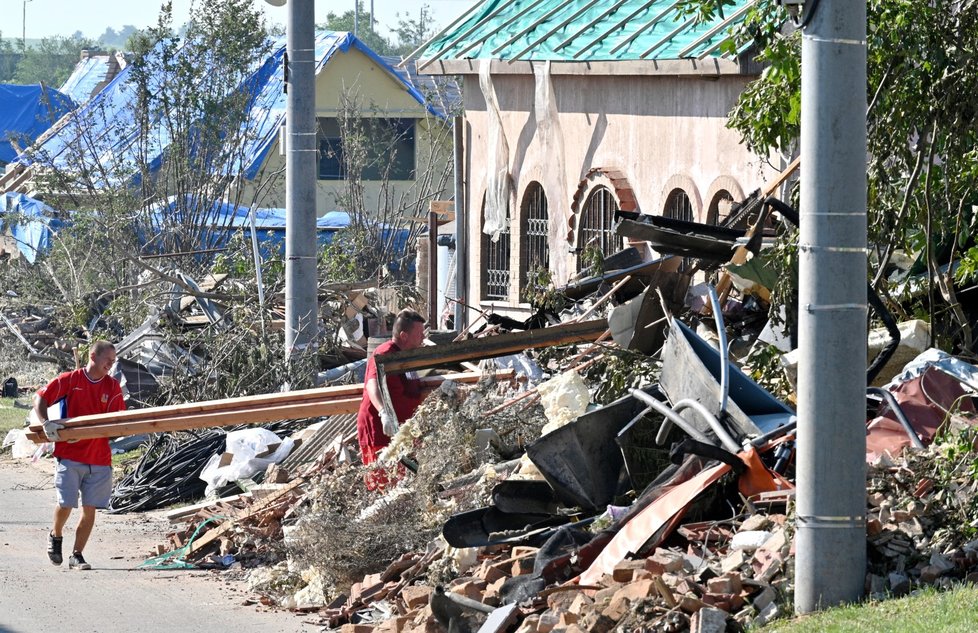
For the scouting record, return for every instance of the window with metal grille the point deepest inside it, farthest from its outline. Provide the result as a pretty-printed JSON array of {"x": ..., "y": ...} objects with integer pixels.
[
  {"x": 678, "y": 206},
  {"x": 495, "y": 259},
  {"x": 535, "y": 227},
  {"x": 597, "y": 224},
  {"x": 719, "y": 207}
]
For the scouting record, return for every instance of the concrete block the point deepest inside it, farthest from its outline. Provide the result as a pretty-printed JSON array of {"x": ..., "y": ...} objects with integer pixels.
[{"x": 708, "y": 620}]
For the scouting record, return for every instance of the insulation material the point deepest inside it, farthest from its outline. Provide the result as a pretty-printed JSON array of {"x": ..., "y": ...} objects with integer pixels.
[
  {"x": 564, "y": 398},
  {"x": 497, "y": 186},
  {"x": 550, "y": 139}
]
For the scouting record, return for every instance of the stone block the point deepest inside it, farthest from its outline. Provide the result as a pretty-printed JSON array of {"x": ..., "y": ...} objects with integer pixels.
[{"x": 708, "y": 620}]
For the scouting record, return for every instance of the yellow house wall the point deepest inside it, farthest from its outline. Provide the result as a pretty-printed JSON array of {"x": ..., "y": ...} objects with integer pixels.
[{"x": 378, "y": 94}]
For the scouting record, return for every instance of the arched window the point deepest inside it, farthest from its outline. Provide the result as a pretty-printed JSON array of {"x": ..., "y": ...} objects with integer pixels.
[
  {"x": 678, "y": 206},
  {"x": 495, "y": 262},
  {"x": 597, "y": 224},
  {"x": 719, "y": 208},
  {"x": 534, "y": 228}
]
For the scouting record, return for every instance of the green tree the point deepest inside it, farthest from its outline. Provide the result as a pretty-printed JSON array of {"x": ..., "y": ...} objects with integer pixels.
[
  {"x": 922, "y": 130},
  {"x": 8, "y": 60},
  {"x": 410, "y": 33},
  {"x": 51, "y": 61},
  {"x": 347, "y": 20}
]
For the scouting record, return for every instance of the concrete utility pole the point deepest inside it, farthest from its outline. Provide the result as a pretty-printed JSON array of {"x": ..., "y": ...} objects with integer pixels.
[
  {"x": 830, "y": 567},
  {"x": 301, "y": 309}
]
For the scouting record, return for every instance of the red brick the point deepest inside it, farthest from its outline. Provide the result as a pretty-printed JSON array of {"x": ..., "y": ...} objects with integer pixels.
[
  {"x": 581, "y": 604},
  {"x": 529, "y": 625},
  {"x": 625, "y": 570},
  {"x": 356, "y": 628},
  {"x": 394, "y": 625},
  {"x": 635, "y": 591},
  {"x": 567, "y": 618},
  {"x": 473, "y": 589},
  {"x": 415, "y": 596}
]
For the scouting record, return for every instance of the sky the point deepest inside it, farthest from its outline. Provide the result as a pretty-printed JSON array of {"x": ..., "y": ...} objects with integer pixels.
[{"x": 45, "y": 18}]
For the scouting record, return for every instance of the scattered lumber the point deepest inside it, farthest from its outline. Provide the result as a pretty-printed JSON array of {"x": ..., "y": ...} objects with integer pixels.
[
  {"x": 492, "y": 346},
  {"x": 232, "y": 411}
]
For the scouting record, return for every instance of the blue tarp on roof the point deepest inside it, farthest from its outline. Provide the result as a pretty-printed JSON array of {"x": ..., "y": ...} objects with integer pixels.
[
  {"x": 26, "y": 112},
  {"x": 112, "y": 129},
  {"x": 86, "y": 77},
  {"x": 29, "y": 221}
]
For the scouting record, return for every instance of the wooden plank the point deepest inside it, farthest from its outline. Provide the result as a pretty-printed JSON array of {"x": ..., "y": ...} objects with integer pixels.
[
  {"x": 241, "y": 403},
  {"x": 213, "y": 534},
  {"x": 221, "y": 418},
  {"x": 740, "y": 255},
  {"x": 489, "y": 347},
  {"x": 252, "y": 415}
]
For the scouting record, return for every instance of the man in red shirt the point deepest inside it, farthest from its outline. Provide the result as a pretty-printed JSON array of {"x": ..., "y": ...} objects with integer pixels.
[
  {"x": 84, "y": 466},
  {"x": 405, "y": 393}
]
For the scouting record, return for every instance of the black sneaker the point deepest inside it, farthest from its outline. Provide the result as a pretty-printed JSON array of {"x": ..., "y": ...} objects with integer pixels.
[
  {"x": 54, "y": 548},
  {"x": 77, "y": 562}
]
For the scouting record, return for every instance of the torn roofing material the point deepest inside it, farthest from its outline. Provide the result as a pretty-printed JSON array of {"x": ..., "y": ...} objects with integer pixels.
[
  {"x": 90, "y": 75},
  {"x": 110, "y": 130},
  {"x": 586, "y": 31}
]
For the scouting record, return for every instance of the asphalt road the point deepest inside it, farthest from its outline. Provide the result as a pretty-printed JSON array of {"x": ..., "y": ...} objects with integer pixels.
[{"x": 36, "y": 596}]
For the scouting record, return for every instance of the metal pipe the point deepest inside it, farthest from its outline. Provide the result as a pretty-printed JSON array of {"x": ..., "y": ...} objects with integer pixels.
[
  {"x": 301, "y": 309},
  {"x": 724, "y": 355},
  {"x": 898, "y": 413},
  {"x": 671, "y": 417},
  {"x": 722, "y": 434},
  {"x": 830, "y": 565}
]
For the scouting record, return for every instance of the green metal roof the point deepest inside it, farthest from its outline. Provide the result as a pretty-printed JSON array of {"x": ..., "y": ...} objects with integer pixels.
[{"x": 582, "y": 31}]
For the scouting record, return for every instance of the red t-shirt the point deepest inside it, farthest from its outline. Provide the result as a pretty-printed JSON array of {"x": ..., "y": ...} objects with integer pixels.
[
  {"x": 405, "y": 395},
  {"x": 84, "y": 396}
]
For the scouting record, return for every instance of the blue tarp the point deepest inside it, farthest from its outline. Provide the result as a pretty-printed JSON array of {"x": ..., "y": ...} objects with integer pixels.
[
  {"x": 269, "y": 222},
  {"x": 228, "y": 219},
  {"x": 26, "y": 112},
  {"x": 29, "y": 221},
  {"x": 112, "y": 130},
  {"x": 86, "y": 77}
]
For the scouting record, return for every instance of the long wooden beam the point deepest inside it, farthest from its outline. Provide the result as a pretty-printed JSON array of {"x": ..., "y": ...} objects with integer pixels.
[
  {"x": 205, "y": 420},
  {"x": 242, "y": 409},
  {"x": 492, "y": 346}
]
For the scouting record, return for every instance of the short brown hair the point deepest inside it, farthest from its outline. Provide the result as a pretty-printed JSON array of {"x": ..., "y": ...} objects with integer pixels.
[
  {"x": 100, "y": 347},
  {"x": 404, "y": 319}
]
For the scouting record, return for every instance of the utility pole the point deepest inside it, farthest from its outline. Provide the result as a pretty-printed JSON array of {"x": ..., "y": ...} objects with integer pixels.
[
  {"x": 301, "y": 283},
  {"x": 356, "y": 17},
  {"x": 830, "y": 566},
  {"x": 23, "y": 29}
]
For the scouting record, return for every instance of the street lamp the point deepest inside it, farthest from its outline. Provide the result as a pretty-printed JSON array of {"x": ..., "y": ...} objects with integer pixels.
[{"x": 23, "y": 28}]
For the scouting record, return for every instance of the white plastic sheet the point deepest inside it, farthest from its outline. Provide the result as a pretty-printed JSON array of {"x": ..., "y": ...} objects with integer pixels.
[
  {"x": 245, "y": 446},
  {"x": 498, "y": 183},
  {"x": 550, "y": 141}
]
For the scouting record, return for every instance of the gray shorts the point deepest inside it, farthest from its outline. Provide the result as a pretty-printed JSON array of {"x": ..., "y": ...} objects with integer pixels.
[{"x": 93, "y": 482}]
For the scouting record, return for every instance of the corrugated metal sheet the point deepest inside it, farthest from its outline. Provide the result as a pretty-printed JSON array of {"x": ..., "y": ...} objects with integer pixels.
[
  {"x": 585, "y": 30},
  {"x": 312, "y": 448}
]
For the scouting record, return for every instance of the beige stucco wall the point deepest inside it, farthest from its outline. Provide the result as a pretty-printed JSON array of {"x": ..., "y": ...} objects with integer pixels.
[
  {"x": 659, "y": 132},
  {"x": 375, "y": 93}
]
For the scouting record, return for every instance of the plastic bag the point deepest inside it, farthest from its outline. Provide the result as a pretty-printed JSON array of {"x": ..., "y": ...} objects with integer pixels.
[
  {"x": 249, "y": 451},
  {"x": 21, "y": 447}
]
